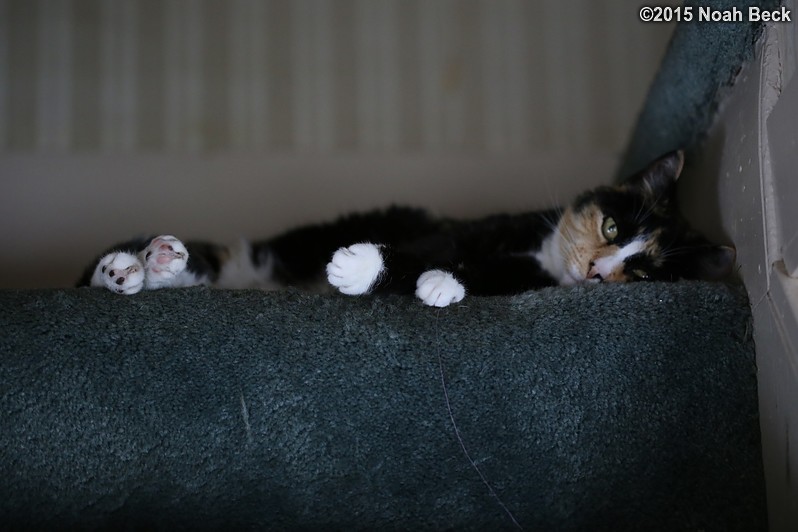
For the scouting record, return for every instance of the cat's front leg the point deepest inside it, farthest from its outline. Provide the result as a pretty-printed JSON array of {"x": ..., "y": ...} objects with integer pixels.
[
  {"x": 363, "y": 268},
  {"x": 120, "y": 272},
  {"x": 438, "y": 288},
  {"x": 164, "y": 259},
  {"x": 354, "y": 270}
]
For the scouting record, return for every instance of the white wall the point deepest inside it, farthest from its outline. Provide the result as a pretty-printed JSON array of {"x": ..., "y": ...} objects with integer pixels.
[{"x": 219, "y": 118}]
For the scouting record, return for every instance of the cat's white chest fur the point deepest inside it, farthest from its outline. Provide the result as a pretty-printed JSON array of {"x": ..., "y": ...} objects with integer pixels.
[
  {"x": 240, "y": 272},
  {"x": 551, "y": 259}
]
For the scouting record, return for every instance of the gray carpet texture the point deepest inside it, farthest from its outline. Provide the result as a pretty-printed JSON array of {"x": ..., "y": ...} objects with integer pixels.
[{"x": 607, "y": 407}]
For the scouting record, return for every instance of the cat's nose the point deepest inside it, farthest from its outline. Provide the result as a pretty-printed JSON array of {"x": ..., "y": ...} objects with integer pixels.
[{"x": 593, "y": 273}]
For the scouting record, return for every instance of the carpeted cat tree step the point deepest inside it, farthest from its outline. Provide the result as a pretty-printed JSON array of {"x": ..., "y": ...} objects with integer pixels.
[{"x": 617, "y": 407}]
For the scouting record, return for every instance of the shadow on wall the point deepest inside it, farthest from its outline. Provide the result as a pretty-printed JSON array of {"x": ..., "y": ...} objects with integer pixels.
[{"x": 699, "y": 188}]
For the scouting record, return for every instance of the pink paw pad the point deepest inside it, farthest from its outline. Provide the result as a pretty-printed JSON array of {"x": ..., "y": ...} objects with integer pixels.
[
  {"x": 163, "y": 251},
  {"x": 164, "y": 259}
]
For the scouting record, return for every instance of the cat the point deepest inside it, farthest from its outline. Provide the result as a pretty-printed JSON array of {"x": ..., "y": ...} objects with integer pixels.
[{"x": 624, "y": 233}]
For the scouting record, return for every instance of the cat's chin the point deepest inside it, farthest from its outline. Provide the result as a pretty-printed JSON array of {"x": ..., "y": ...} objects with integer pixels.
[
  {"x": 571, "y": 281},
  {"x": 571, "y": 276}
]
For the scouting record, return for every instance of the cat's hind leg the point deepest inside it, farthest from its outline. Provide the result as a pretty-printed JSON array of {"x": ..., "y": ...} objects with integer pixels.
[
  {"x": 120, "y": 272},
  {"x": 165, "y": 259}
]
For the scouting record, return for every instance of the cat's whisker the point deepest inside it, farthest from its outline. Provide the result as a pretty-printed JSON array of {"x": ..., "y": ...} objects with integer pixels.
[
  {"x": 552, "y": 223},
  {"x": 648, "y": 212},
  {"x": 567, "y": 234},
  {"x": 639, "y": 216},
  {"x": 670, "y": 251},
  {"x": 552, "y": 195}
]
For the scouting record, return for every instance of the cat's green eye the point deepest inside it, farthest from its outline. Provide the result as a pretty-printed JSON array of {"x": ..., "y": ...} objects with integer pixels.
[
  {"x": 609, "y": 229},
  {"x": 640, "y": 274}
]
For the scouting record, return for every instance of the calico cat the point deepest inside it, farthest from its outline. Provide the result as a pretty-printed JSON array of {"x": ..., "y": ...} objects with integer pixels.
[{"x": 630, "y": 232}]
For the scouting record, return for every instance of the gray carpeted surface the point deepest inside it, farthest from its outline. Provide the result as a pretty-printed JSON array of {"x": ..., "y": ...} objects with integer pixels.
[
  {"x": 615, "y": 407},
  {"x": 702, "y": 61}
]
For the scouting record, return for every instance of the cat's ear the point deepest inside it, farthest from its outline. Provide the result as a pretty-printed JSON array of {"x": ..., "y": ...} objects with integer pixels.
[
  {"x": 658, "y": 180},
  {"x": 713, "y": 263}
]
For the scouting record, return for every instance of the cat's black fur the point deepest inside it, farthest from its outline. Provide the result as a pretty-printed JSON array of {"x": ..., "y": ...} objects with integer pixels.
[
  {"x": 501, "y": 254},
  {"x": 413, "y": 242}
]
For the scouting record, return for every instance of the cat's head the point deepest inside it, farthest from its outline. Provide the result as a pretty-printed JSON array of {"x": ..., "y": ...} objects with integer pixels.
[{"x": 634, "y": 232}]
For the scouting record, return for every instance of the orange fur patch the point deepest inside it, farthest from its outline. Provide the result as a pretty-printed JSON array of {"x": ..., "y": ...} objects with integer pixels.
[
  {"x": 583, "y": 243},
  {"x": 582, "y": 238}
]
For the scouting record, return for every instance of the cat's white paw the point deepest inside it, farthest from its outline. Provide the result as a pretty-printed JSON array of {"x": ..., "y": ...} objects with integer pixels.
[
  {"x": 438, "y": 288},
  {"x": 119, "y": 272},
  {"x": 164, "y": 259},
  {"x": 354, "y": 270}
]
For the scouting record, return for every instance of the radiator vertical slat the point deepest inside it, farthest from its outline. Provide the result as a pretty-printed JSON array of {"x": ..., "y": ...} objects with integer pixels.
[
  {"x": 259, "y": 91},
  {"x": 248, "y": 91},
  {"x": 184, "y": 75},
  {"x": 519, "y": 97},
  {"x": 377, "y": 71},
  {"x": 239, "y": 101},
  {"x": 119, "y": 69},
  {"x": 54, "y": 83},
  {"x": 312, "y": 61},
  {"x": 173, "y": 75},
  {"x": 494, "y": 83},
  {"x": 430, "y": 60},
  {"x": 4, "y": 74}
]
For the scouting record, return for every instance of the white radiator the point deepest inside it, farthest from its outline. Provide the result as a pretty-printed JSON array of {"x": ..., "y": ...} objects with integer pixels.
[{"x": 322, "y": 75}]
